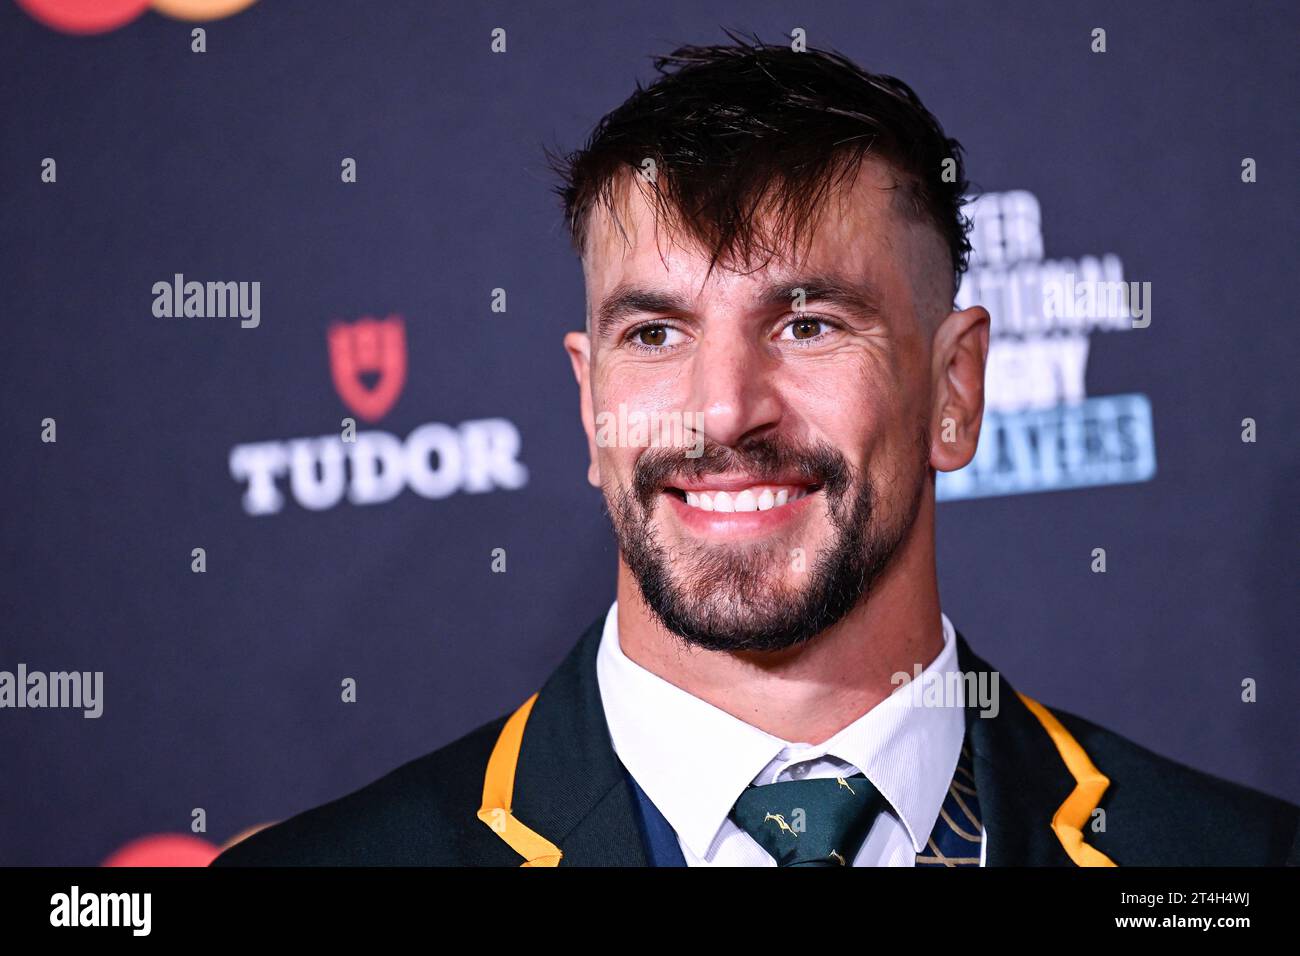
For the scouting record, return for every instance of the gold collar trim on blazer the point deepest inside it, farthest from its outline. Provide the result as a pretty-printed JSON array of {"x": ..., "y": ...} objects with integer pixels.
[
  {"x": 498, "y": 791},
  {"x": 1090, "y": 784},
  {"x": 1067, "y": 822}
]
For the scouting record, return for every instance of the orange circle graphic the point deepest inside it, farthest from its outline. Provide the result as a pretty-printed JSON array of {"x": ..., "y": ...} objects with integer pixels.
[{"x": 200, "y": 9}]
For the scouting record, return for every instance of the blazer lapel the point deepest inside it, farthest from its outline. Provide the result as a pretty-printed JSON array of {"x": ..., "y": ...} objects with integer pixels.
[
  {"x": 1019, "y": 774},
  {"x": 569, "y": 785},
  {"x": 571, "y": 788}
]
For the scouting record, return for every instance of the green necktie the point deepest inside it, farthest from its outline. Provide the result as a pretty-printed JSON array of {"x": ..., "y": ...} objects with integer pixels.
[{"x": 818, "y": 822}]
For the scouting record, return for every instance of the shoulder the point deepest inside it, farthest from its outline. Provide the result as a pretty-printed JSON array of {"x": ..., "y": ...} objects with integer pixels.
[
  {"x": 421, "y": 814},
  {"x": 1159, "y": 812}
]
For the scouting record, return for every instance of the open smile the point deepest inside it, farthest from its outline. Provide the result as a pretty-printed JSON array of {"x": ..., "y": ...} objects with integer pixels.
[
  {"x": 735, "y": 506},
  {"x": 751, "y": 498}
]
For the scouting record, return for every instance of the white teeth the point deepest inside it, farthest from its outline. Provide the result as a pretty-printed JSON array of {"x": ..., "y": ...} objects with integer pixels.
[{"x": 748, "y": 499}]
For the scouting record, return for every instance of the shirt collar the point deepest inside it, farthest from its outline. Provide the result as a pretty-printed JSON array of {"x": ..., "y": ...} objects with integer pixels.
[{"x": 693, "y": 759}]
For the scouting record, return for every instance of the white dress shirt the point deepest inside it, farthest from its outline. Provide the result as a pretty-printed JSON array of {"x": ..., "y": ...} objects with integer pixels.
[{"x": 693, "y": 760}]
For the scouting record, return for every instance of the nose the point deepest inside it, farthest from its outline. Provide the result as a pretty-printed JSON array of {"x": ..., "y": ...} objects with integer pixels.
[{"x": 733, "y": 382}]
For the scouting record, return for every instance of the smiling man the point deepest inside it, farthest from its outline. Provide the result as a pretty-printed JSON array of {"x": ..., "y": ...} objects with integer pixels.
[{"x": 771, "y": 243}]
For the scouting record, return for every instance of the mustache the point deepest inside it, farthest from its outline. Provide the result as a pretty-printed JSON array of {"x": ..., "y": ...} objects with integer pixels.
[{"x": 769, "y": 459}]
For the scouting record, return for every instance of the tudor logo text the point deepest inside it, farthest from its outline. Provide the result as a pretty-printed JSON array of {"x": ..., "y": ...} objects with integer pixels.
[{"x": 368, "y": 364}]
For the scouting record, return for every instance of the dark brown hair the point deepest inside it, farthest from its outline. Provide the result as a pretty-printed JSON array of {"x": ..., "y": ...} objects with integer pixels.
[{"x": 735, "y": 128}]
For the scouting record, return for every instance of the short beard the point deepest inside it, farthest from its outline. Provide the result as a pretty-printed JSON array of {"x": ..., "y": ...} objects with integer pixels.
[{"x": 736, "y": 608}]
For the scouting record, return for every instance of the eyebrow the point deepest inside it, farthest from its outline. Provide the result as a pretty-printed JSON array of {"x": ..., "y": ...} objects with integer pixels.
[
  {"x": 626, "y": 300},
  {"x": 857, "y": 299}
]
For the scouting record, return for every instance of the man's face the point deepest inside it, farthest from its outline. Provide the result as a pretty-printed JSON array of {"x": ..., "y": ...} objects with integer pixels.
[{"x": 801, "y": 423}]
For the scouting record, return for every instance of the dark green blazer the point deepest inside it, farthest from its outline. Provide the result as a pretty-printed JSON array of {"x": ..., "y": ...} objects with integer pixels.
[{"x": 543, "y": 786}]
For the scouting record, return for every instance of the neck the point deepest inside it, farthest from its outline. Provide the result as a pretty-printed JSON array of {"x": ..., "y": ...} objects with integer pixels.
[{"x": 808, "y": 693}]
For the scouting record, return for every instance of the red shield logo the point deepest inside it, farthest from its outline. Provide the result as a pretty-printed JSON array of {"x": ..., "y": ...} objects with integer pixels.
[{"x": 368, "y": 362}]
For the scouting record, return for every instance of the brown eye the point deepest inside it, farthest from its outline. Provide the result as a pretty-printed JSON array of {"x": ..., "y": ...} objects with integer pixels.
[
  {"x": 652, "y": 335},
  {"x": 805, "y": 328}
]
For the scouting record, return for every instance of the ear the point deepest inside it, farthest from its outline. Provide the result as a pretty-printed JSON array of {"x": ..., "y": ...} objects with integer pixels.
[
  {"x": 961, "y": 347},
  {"x": 578, "y": 345}
]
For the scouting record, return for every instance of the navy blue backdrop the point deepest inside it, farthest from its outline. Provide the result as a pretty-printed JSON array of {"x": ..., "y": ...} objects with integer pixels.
[{"x": 221, "y": 689}]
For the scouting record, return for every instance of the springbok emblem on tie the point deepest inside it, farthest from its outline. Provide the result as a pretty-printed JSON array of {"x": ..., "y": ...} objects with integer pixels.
[
  {"x": 837, "y": 858},
  {"x": 845, "y": 784},
  {"x": 780, "y": 822}
]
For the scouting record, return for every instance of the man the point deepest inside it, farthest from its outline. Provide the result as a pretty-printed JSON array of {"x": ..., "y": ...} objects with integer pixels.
[{"x": 771, "y": 243}]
